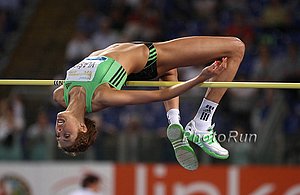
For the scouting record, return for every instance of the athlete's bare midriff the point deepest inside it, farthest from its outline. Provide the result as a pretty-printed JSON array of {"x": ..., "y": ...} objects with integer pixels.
[{"x": 132, "y": 57}]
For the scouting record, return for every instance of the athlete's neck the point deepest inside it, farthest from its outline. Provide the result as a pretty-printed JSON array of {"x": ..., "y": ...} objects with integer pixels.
[{"x": 77, "y": 105}]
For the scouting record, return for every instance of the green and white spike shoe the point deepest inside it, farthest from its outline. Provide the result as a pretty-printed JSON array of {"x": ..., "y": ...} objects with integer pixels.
[
  {"x": 185, "y": 154},
  {"x": 206, "y": 140}
]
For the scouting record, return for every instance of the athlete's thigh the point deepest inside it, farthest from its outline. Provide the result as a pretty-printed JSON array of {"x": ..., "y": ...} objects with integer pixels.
[{"x": 198, "y": 50}]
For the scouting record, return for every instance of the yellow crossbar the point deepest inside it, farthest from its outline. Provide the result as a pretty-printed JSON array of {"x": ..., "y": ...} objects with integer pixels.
[{"x": 270, "y": 85}]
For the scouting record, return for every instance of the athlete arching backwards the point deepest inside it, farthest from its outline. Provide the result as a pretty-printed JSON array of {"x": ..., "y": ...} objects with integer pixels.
[{"x": 95, "y": 84}]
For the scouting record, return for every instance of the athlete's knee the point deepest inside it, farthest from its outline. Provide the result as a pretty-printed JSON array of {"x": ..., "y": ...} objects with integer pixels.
[{"x": 237, "y": 47}]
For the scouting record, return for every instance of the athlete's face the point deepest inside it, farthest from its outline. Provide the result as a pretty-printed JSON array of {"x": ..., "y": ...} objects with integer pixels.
[{"x": 67, "y": 128}]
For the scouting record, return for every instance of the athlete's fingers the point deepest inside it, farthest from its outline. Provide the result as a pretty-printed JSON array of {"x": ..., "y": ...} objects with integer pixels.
[
  {"x": 216, "y": 64},
  {"x": 216, "y": 67},
  {"x": 222, "y": 66},
  {"x": 224, "y": 62}
]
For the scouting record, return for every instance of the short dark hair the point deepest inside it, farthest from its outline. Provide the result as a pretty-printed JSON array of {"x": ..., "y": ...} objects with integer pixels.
[
  {"x": 84, "y": 139},
  {"x": 89, "y": 179}
]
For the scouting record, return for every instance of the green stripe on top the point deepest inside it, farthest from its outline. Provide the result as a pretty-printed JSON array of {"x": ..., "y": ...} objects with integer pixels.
[
  {"x": 117, "y": 76},
  {"x": 108, "y": 71},
  {"x": 152, "y": 49},
  {"x": 152, "y": 58},
  {"x": 152, "y": 54}
]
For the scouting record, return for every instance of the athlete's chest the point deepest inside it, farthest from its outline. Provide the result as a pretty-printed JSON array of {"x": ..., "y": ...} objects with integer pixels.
[{"x": 86, "y": 69}]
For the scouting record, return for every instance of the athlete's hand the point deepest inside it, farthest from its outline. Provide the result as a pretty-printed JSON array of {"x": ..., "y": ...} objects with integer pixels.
[{"x": 214, "y": 69}]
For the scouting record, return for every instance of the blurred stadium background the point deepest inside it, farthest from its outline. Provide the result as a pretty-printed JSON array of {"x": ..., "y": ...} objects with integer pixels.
[{"x": 40, "y": 39}]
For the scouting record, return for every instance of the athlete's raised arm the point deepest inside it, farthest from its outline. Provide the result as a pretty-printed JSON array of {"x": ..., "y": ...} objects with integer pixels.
[{"x": 126, "y": 97}]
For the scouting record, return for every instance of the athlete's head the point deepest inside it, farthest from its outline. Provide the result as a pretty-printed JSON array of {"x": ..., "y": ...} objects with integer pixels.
[{"x": 72, "y": 135}]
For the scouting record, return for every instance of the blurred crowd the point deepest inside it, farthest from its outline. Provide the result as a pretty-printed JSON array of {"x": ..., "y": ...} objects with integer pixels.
[
  {"x": 271, "y": 32},
  {"x": 10, "y": 13}
]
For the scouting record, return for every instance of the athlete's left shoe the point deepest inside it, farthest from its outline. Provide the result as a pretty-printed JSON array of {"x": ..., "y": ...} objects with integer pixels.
[
  {"x": 184, "y": 153},
  {"x": 206, "y": 140}
]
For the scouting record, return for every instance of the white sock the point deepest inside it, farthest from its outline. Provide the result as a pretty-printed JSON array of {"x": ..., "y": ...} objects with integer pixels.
[
  {"x": 203, "y": 118},
  {"x": 173, "y": 116}
]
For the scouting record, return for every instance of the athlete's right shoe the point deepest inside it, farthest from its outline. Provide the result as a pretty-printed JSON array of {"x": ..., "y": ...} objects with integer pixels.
[
  {"x": 206, "y": 139},
  {"x": 185, "y": 154}
]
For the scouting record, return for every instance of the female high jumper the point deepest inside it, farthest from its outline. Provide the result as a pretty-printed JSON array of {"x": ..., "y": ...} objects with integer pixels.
[{"x": 95, "y": 84}]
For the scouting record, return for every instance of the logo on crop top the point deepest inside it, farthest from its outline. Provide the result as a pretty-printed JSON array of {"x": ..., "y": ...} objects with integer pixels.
[{"x": 67, "y": 85}]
